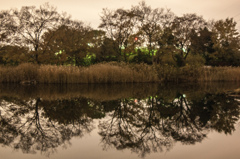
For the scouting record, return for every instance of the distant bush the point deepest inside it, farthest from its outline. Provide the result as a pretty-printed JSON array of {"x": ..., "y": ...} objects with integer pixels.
[
  {"x": 168, "y": 60},
  {"x": 141, "y": 56},
  {"x": 195, "y": 60}
]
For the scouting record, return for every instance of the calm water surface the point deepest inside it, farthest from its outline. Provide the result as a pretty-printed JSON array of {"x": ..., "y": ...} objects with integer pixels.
[{"x": 120, "y": 121}]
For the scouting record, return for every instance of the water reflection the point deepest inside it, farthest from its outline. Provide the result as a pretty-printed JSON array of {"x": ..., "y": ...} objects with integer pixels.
[
  {"x": 141, "y": 118},
  {"x": 28, "y": 126},
  {"x": 153, "y": 124}
]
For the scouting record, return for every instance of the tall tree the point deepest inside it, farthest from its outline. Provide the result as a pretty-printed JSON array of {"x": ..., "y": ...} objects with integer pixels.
[
  {"x": 119, "y": 26},
  {"x": 6, "y": 26},
  {"x": 69, "y": 43},
  {"x": 226, "y": 42},
  {"x": 152, "y": 24},
  {"x": 32, "y": 23},
  {"x": 107, "y": 51},
  {"x": 183, "y": 29},
  {"x": 6, "y": 31},
  {"x": 202, "y": 44}
]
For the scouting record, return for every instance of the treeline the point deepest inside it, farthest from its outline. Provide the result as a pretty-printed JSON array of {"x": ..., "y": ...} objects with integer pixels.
[{"x": 140, "y": 34}]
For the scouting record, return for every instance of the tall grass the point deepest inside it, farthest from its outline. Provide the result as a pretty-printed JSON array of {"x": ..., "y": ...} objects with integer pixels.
[
  {"x": 114, "y": 72},
  {"x": 23, "y": 72},
  {"x": 99, "y": 73},
  {"x": 198, "y": 74},
  {"x": 220, "y": 74}
]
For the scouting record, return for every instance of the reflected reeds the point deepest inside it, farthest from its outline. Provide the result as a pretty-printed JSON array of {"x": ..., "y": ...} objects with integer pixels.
[
  {"x": 106, "y": 92},
  {"x": 101, "y": 92}
]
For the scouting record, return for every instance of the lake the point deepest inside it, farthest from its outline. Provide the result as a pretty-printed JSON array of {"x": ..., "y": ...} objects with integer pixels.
[{"x": 149, "y": 121}]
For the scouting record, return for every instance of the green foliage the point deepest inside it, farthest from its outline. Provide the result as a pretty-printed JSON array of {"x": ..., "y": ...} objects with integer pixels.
[{"x": 141, "y": 56}]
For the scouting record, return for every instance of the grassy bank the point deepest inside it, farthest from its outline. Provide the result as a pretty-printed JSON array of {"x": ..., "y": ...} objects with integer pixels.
[{"x": 115, "y": 73}]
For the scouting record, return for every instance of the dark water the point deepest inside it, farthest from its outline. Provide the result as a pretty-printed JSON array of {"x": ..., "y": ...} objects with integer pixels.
[{"x": 120, "y": 121}]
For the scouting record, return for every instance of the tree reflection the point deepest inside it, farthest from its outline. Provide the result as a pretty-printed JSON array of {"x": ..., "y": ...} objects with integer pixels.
[
  {"x": 135, "y": 125},
  {"x": 36, "y": 125},
  {"x": 152, "y": 124},
  {"x": 183, "y": 125},
  {"x": 143, "y": 125},
  {"x": 219, "y": 112}
]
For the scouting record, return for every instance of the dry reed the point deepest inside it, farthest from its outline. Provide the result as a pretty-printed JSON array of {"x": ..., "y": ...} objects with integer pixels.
[
  {"x": 217, "y": 74},
  {"x": 99, "y": 73},
  {"x": 114, "y": 72},
  {"x": 199, "y": 74}
]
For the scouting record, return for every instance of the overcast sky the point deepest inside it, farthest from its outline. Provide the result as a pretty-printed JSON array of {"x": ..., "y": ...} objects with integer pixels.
[{"x": 89, "y": 11}]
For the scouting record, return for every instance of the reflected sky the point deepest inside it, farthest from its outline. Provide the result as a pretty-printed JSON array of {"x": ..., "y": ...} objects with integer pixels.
[{"x": 187, "y": 121}]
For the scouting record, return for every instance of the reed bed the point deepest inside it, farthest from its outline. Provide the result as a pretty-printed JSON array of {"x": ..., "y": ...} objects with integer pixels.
[
  {"x": 198, "y": 74},
  {"x": 23, "y": 72},
  {"x": 223, "y": 74},
  {"x": 114, "y": 72},
  {"x": 100, "y": 73}
]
